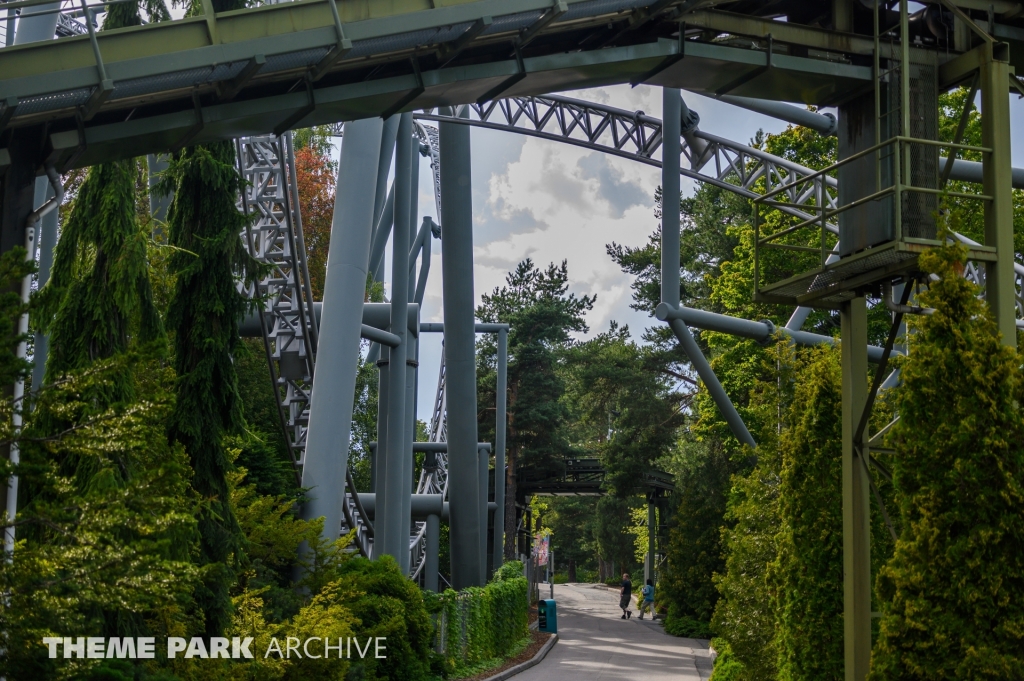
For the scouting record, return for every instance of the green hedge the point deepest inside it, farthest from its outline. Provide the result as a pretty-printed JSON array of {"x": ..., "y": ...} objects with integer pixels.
[{"x": 483, "y": 623}]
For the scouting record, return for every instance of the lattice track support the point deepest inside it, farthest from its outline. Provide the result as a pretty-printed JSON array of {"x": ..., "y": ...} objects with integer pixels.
[{"x": 286, "y": 314}]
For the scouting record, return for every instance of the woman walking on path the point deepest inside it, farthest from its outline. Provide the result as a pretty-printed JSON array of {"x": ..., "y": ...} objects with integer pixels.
[{"x": 625, "y": 593}]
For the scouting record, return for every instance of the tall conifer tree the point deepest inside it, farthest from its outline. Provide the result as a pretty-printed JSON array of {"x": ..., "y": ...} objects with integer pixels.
[
  {"x": 204, "y": 224},
  {"x": 952, "y": 595},
  {"x": 807, "y": 574},
  {"x": 99, "y": 296}
]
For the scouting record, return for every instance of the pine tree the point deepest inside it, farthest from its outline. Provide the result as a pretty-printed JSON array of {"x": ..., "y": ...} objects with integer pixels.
[
  {"x": 204, "y": 225},
  {"x": 952, "y": 595},
  {"x": 99, "y": 297}
]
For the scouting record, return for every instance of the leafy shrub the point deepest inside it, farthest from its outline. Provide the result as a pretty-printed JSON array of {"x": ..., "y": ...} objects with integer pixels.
[
  {"x": 484, "y": 624},
  {"x": 687, "y": 627},
  {"x": 727, "y": 665},
  {"x": 386, "y": 603}
]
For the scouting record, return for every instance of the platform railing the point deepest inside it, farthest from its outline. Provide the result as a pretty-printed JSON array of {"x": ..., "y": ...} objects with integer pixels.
[{"x": 892, "y": 155}]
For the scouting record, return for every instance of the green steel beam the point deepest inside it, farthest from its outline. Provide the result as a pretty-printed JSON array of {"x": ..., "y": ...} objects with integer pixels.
[
  {"x": 170, "y": 46},
  {"x": 447, "y": 87},
  {"x": 997, "y": 183},
  {"x": 856, "y": 486}
]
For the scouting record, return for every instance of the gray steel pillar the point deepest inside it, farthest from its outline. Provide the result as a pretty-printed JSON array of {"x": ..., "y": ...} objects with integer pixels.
[
  {"x": 392, "y": 527},
  {"x": 46, "y": 243},
  {"x": 387, "y": 152},
  {"x": 460, "y": 353},
  {"x": 652, "y": 533},
  {"x": 433, "y": 549},
  {"x": 34, "y": 29},
  {"x": 330, "y": 414},
  {"x": 413, "y": 353},
  {"x": 499, "y": 450},
  {"x": 672, "y": 104},
  {"x": 380, "y": 462},
  {"x": 410, "y": 437},
  {"x": 484, "y": 456},
  {"x": 670, "y": 151}
]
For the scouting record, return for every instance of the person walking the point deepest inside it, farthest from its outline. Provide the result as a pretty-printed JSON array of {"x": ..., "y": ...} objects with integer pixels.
[
  {"x": 648, "y": 603},
  {"x": 625, "y": 593}
]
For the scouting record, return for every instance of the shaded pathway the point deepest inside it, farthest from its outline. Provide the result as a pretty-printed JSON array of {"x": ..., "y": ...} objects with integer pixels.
[{"x": 594, "y": 644}]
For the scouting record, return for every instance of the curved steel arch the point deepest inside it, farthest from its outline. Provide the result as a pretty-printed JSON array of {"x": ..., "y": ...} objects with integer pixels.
[{"x": 636, "y": 136}]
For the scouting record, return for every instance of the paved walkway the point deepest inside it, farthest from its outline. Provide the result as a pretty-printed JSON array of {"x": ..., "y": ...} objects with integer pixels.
[{"x": 594, "y": 644}]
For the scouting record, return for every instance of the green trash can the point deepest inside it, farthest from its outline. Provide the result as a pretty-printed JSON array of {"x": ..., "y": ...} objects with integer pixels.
[{"x": 547, "y": 616}]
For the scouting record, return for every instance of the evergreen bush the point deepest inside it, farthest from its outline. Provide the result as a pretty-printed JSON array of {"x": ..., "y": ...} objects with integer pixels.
[
  {"x": 481, "y": 625},
  {"x": 952, "y": 595},
  {"x": 807, "y": 575}
]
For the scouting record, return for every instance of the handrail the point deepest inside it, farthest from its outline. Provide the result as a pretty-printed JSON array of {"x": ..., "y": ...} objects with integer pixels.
[{"x": 892, "y": 140}]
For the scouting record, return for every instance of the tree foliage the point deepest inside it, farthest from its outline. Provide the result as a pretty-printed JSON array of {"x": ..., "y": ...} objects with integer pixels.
[
  {"x": 204, "y": 225},
  {"x": 543, "y": 315},
  {"x": 807, "y": 574},
  {"x": 952, "y": 595}
]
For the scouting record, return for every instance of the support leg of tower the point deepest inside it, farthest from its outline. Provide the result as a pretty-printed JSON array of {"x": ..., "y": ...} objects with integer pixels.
[
  {"x": 459, "y": 352},
  {"x": 856, "y": 506},
  {"x": 330, "y": 415}
]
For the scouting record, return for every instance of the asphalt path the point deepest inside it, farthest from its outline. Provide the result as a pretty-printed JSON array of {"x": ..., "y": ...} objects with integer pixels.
[{"x": 595, "y": 644}]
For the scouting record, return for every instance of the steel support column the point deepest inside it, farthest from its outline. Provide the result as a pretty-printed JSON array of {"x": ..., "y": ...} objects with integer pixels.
[
  {"x": 46, "y": 243},
  {"x": 380, "y": 463},
  {"x": 412, "y": 354},
  {"x": 460, "y": 353},
  {"x": 856, "y": 506},
  {"x": 392, "y": 529},
  {"x": 433, "y": 549},
  {"x": 500, "y": 421},
  {"x": 484, "y": 457},
  {"x": 672, "y": 104},
  {"x": 996, "y": 182},
  {"x": 652, "y": 531},
  {"x": 330, "y": 416}
]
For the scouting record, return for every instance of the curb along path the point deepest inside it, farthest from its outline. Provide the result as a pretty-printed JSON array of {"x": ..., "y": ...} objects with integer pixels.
[{"x": 594, "y": 644}]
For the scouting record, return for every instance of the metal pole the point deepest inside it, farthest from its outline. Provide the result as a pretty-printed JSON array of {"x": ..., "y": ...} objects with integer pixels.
[
  {"x": 856, "y": 505},
  {"x": 410, "y": 437},
  {"x": 460, "y": 353},
  {"x": 672, "y": 104},
  {"x": 499, "y": 450},
  {"x": 670, "y": 151},
  {"x": 412, "y": 356},
  {"x": 46, "y": 243},
  {"x": 395, "y": 539},
  {"x": 330, "y": 416},
  {"x": 483, "y": 454},
  {"x": 380, "y": 463},
  {"x": 996, "y": 182},
  {"x": 432, "y": 551},
  {"x": 387, "y": 152},
  {"x": 652, "y": 530}
]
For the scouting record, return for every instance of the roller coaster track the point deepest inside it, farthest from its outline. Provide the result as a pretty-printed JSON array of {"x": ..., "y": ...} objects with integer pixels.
[
  {"x": 276, "y": 238},
  {"x": 289, "y": 329}
]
